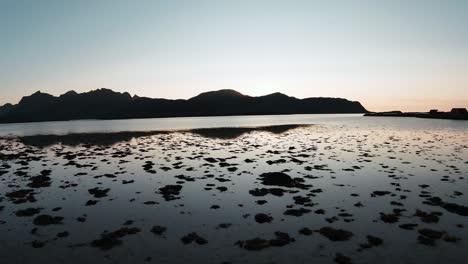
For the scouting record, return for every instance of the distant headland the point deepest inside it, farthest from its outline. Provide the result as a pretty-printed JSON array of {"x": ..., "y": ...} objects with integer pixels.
[
  {"x": 455, "y": 113},
  {"x": 107, "y": 104}
]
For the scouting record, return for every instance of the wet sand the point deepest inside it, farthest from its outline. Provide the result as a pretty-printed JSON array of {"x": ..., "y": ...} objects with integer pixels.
[{"x": 281, "y": 194}]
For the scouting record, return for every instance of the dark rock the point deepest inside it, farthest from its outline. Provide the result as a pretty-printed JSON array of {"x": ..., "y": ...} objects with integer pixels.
[
  {"x": 342, "y": 259},
  {"x": 335, "y": 234},
  {"x": 389, "y": 218},
  {"x": 44, "y": 220},
  {"x": 91, "y": 202},
  {"x": 280, "y": 179},
  {"x": 193, "y": 237},
  {"x": 281, "y": 239},
  {"x": 27, "y": 212},
  {"x": 158, "y": 230},
  {"x": 170, "y": 192},
  {"x": 432, "y": 217},
  {"x": 305, "y": 231},
  {"x": 98, "y": 193},
  {"x": 265, "y": 191},
  {"x": 408, "y": 226},
  {"x": 39, "y": 181},
  {"x": 255, "y": 244},
  {"x": 431, "y": 233},
  {"x": 112, "y": 239},
  {"x": 297, "y": 212},
  {"x": 38, "y": 244},
  {"x": 263, "y": 218}
]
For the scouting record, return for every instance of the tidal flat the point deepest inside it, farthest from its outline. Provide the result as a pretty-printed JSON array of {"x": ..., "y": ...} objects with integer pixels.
[{"x": 315, "y": 193}]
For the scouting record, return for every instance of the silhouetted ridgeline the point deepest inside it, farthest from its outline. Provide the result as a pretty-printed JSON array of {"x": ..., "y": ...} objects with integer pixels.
[
  {"x": 107, "y": 104},
  {"x": 455, "y": 114}
]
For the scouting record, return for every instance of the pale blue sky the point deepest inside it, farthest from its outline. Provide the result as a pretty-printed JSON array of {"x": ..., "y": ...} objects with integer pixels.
[{"x": 409, "y": 55}]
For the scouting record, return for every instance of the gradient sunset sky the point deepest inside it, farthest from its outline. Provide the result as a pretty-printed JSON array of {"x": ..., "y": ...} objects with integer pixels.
[{"x": 406, "y": 55}]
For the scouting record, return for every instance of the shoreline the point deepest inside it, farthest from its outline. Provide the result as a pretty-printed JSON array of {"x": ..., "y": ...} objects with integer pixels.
[
  {"x": 2, "y": 122},
  {"x": 453, "y": 115}
]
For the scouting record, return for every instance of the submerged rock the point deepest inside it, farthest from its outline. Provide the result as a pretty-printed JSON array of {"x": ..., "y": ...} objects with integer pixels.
[
  {"x": 44, "y": 220},
  {"x": 263, "y": 218},
  {"x": 434, "y": 234},
  {"x": 265, "y": 191},
  {"x": 432, "y": 217},
  {"x": 408, "y": 226},
  {"x": 306, "y": 231},
  {"x": 98, "y": 192},
  {"x": 39, "y": 181},
  {"x": 170, "y": 192},
  {"x": 112, "y": 239},
  {"x": 372, "y": 241},
  {"x": 297, "y": 212},
  {"x": 281, "y": 179},
  {"x": 158, "y": 230},
  {"x": 281, "y": 239},
  {"x": 342, "y": 259},
  {"x": 27, "y": 212},
  {"x": 335, "y": 234},
  {"x": 193, "y": 237}
]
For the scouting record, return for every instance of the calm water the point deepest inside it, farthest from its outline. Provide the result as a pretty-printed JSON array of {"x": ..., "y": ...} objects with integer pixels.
[
  {"x": 338, "y": 164},
  {"x": 352, "y": 120}
]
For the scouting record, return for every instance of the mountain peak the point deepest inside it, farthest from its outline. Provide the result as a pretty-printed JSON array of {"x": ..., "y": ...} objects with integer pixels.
[
  {"x": 104, "y": 90},
  {"x": 37, "y": 97},
  {"x": 220, "y": 94},
  {"x": 5, "y": 108},
  {"x": 7, "y": 105},
  {"x": 108, "y": 93},
  {"x": 69, "y": 94},
  {"x": 277, "y": 94},
  {"x": 39, "y": 94}
]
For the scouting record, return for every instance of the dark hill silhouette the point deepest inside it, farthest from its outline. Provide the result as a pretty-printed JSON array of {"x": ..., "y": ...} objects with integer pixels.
[
  {"x": 107, "y": 104},
  {"x": 225, "y": 94},
  {"x": 5, "y": 109}
]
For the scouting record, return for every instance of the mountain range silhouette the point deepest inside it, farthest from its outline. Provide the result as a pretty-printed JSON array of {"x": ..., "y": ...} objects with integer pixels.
[{"x": 106, "y": 104}]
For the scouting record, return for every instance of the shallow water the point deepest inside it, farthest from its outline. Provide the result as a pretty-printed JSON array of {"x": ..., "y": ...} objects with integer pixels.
[
  {"x": 339, "y": 162},
  {"x": 97, "y": 126}
]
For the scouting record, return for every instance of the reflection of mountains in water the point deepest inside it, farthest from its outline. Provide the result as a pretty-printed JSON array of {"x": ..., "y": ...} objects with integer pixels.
[
  {"x": 107, "y": 104},
  {"x": 235, "y": 132},
  {"x": 106, "y": 139}
]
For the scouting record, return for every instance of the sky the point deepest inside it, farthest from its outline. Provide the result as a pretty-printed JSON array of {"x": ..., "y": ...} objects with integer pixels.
[{"x": 388, "y": 54}]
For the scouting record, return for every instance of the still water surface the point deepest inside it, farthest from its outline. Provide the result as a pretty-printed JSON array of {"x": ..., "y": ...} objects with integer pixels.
[
  {"x": 339, "y": 164},
  {"x": 353, "y": 120}
]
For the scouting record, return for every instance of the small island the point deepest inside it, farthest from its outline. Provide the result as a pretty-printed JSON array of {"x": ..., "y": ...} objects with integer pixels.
[
  {"x": 108, "y": 104},
  {"x": 455, "y": 114}
]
